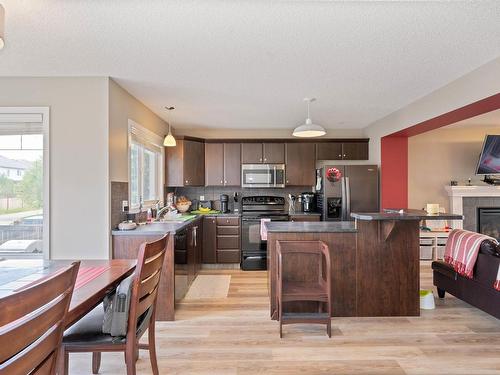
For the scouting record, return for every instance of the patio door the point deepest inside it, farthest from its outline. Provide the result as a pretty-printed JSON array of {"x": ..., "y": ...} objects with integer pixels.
[{"x": 24, "y": 191}]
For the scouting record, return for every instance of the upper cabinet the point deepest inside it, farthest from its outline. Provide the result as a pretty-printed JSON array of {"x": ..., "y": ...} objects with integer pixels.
[
  {"x": 329, "y": 151},
  {"x": 266, "y": 153},
  {"x": 342, "y": 150},
  {"x": 232, "y": 164},
  {"x": 185, "y": 163},
  {"x": 300, "y": 164},
  {"x": 273, "y": 153},
  {"x": 251, "y": 153},
  {"x": 355, "y": 151},
  {"x": 214, "y": 164},
  {"x": 222, "y": 164}
]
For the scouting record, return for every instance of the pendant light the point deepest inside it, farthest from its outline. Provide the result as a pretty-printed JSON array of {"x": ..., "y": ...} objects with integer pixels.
[
  {"x": 309, "y": 130},
  {"x": 169, "y": 140}
]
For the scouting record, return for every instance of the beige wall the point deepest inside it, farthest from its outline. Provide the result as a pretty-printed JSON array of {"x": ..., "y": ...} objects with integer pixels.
[
  {"x": 78, "y": 159},
  {"x": 439, "y": 156},
  {"x": 122, "y": 107}
]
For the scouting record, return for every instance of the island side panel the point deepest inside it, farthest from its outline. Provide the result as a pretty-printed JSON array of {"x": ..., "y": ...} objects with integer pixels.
[
  {"x": 127, "y": 247},
  {"x": 388, "y": 268},
  {"x": 342, "y": 248}
]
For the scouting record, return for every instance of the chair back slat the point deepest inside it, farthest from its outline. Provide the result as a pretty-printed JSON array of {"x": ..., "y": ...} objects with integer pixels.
[
  {"x": 148, "y": 285},
  {"x": 37, "y": 353},
  {"x": 17, "y": 305},
  {"x": 151, "y": 265},
  {"x": 146, "y": 302},
  {"x": 31, "y": 328},
  {"x": 46, "y": 367},
  {"x": 31, "y": 331},
  {"x": 147, "y": 279}
]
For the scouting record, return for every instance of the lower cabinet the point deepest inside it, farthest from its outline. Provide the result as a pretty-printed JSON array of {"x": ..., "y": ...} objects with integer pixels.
[
  {"x": 221, "y": 239},
  {"x": 209, "y": 239}
]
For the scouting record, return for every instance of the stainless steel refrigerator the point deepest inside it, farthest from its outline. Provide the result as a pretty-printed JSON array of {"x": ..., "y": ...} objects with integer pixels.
[{"x": 356, "y": 191}]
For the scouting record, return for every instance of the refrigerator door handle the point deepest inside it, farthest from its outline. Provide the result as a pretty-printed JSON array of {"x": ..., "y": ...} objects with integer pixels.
[
  {"x": 344, "y": 199},
  {"x": 348, "y": 198}
]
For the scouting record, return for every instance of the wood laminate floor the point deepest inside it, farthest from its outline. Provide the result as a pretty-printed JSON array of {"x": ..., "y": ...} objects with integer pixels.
[{"x": 234, "y": 335}]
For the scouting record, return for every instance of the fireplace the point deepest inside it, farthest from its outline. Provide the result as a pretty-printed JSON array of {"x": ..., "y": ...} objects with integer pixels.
[{"x": 488, "y": 221}]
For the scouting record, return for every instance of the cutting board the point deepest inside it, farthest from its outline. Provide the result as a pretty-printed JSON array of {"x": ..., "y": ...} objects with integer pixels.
[{"x": 211, "y": 212}]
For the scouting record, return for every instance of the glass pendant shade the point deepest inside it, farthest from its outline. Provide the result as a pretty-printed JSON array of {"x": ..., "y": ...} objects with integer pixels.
[{"x": 169, "y": 140}]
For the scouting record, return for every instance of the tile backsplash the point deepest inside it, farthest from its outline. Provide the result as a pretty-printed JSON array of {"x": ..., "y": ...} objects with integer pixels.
[
  {"x": 119, "y": 193},
  {"x": 213, "y": 193}
]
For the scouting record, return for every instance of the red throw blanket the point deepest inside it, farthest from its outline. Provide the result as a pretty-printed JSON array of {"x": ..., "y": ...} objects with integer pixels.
[
  {"x": 462, "y": 249},
  {"x": 497, "y": 282}
]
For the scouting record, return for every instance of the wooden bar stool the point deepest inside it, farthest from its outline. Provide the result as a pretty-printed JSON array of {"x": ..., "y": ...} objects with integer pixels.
[{"x": 304, "y": 276}]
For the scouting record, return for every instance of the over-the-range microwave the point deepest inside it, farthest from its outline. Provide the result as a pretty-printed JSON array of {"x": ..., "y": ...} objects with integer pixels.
[{"x": 263, "y": 175}]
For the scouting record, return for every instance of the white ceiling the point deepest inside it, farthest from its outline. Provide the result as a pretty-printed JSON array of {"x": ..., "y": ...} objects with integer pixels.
[{"x": 248, "y": 64}]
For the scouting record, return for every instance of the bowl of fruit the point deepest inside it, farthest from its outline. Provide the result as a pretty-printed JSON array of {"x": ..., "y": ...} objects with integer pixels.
[{"x": 183, "y": 204}]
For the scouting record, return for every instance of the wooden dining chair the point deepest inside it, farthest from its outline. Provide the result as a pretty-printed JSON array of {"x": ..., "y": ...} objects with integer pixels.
[
  {"x": 32, "y": 324},
  {"x": 86, "y": 335}
]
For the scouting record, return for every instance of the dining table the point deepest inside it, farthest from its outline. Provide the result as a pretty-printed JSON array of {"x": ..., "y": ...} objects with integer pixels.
[{"x": 96, "y": 279}]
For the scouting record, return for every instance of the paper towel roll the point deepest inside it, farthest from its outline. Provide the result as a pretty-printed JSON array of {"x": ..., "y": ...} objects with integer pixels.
[{"x": 432, "y": 208}]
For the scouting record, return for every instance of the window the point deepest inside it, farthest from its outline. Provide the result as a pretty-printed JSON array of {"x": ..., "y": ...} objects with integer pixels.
[
  {"x": 145, "y": 167},
  {"x": 24, "y": 189}
]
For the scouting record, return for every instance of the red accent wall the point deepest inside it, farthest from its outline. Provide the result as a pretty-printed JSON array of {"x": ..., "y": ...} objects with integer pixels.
[{"x": 394, "y": 172}]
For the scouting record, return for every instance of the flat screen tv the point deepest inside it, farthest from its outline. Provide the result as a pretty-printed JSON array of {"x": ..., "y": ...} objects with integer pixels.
[{"x": 489, "y": 161}]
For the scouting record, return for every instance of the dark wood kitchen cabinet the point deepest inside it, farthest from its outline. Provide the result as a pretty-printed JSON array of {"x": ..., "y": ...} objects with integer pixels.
[
  {"x": 342, "y": 151},
  {"x": 300, "y": 164},
  {"x": 355, "y": 151},
  {"x": 232, "y": 164},
  {"x": 267, "y": 153},
  {"x": 221, "y": 239},
  {"x": 185, "y": 163},
  {"x": 222, "y": 164},
  {"x": 251, "y": 153},
  {"x": 273, "y": 153},
  {"x": 329, "y": 151},
  {"x": 228, "y": 239},
  {"x": 214, "y": 164},
  {"x": 209, "y": 239}
]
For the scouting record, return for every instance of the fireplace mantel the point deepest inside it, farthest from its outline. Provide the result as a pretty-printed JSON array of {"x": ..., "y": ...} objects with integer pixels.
[{"x": 457, "y": 194}]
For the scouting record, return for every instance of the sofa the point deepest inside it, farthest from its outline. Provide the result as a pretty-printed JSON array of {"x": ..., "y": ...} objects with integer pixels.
[{"x": 478, "y": 291}]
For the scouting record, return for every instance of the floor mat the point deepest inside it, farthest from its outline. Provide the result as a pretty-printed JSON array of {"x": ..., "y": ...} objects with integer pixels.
[{"x": 209, "y": 286}]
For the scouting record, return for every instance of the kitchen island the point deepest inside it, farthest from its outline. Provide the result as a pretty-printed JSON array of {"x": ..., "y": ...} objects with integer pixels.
[{"x": 375, "y": 265}]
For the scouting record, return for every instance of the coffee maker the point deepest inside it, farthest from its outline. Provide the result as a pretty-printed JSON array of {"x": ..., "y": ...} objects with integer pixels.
[
  {"x": 308, "y": 202},
  {"x": 224, "y": 200}
]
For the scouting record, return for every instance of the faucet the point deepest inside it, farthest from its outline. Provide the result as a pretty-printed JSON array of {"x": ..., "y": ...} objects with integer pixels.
[{"x": 160, "y": 212}]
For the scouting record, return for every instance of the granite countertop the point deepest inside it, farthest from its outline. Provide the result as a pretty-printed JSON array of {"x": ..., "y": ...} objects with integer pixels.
[
  {"x": 302, "y": 213},
  {"x": 310, "y": 227},
  {"x": 155, "y": 228},
  {"x": 408, "y": 214}
]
